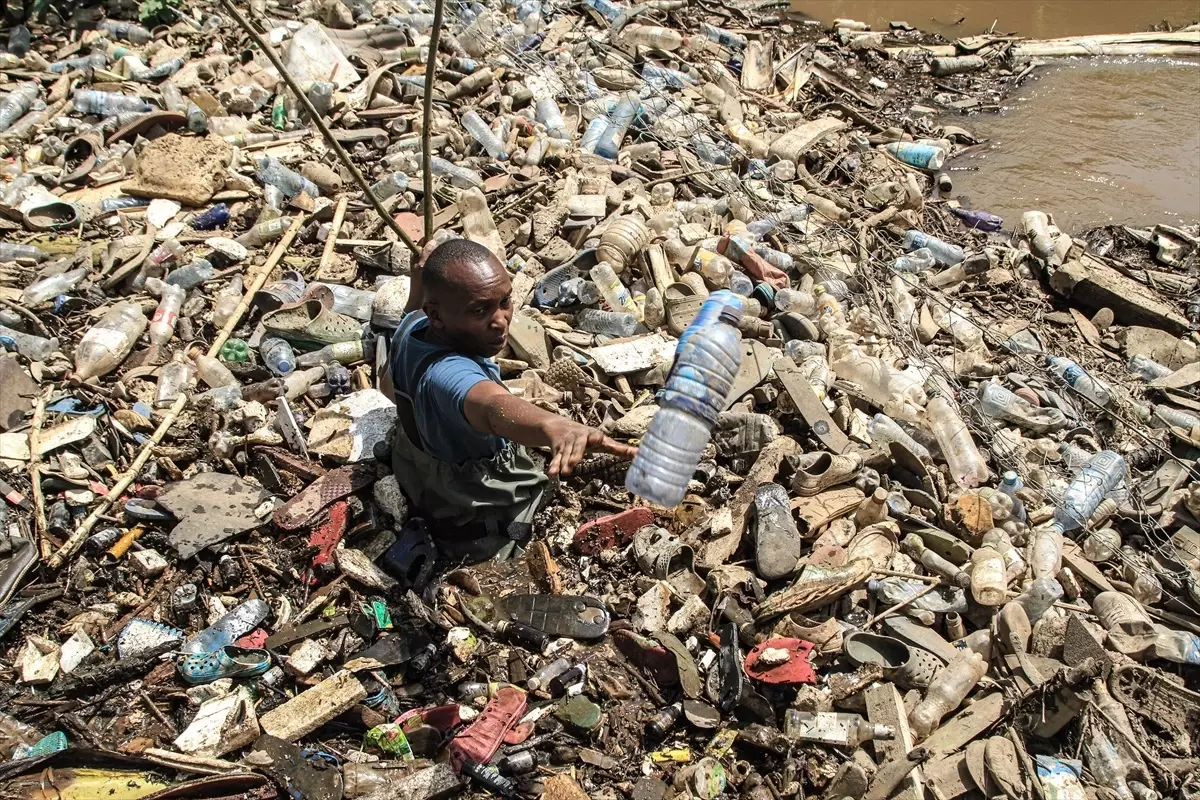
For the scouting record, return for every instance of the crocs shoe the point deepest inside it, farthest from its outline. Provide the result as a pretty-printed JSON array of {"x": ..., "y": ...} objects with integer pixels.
[
  {"x": 310, "y": 322},
  {"x": 228, "y": 662},
  {"x": 909, "y": 667}
]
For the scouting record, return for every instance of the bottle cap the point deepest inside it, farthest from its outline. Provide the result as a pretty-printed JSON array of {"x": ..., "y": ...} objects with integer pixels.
[{"x": 730, "y": 315}]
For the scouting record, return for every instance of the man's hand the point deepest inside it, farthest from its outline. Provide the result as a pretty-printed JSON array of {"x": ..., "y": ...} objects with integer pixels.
[{"x": 570, "y": 442}]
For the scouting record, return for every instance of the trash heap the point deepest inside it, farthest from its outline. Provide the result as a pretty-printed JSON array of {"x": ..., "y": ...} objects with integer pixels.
[{"x": 928, "y": 529}]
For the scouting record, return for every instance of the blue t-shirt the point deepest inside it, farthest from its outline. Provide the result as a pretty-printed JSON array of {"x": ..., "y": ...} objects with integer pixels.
[{"x": 439, "y": 396}]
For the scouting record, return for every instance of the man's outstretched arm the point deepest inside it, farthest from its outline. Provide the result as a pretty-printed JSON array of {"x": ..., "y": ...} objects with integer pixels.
[{"x": 490, "y": 408}]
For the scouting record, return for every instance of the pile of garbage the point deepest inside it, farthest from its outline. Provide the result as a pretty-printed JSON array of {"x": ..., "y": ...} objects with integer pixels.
[{"x": 926, "y": 525}]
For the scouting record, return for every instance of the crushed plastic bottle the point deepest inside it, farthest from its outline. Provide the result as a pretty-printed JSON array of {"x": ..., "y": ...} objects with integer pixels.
[{"x": 107, "y": 343}]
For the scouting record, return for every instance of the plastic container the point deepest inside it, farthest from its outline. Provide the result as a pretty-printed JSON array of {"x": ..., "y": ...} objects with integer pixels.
[
  {"x": 947, "y": 255},
  {"x": 622, "y": 241},
  {"x": 592, "y": 135},
  {"x": 619, "y": 121},
  {"x": 342, "y": 353},
  {"x": 831, "y": 727},
  {"x": 212, "y": 372},
  {"x": 226, "y": 302},
  {"x": 872, "y": 509},
  {"x": 989, "y": 581},
  {"x": 108, "y": 104},
  {"x": 1100, "y": 475},
  {"x": 921, "y": 156},
  {"x": 107, "y": 343},
  {"x": 273, "y": 173},
  {"x": 967, "y": 466},
  {"x": 694, "y": 395},
  {"x": 869, "y": 373},
  {"x": 48, "y": 288},
  {"x": 192, "y": 275},
  {"x": 1010, "y": 484},
  {"x": 796, "y": 300},
  {"x": 458, "y": 176},
  {"x": 1148, "y": 369},
  {"x": 547, "y": 112},
  {"x": 1168, "y": 417},
  {"x": 951, "y": 685},
  {"x": 652, "y": 36},
  {"x": 129, "y": 31},
  {"x": 17, "y": 103},
  {"x": 884, "y": 429},
  {"x": 608, "y": 9},
  {"x": 1102, "y": 545},
  {"x": 612, "y": 323},
  {"x": 21, "y": 253},
  {"x": 615, "y": 293},
  {"x": 162, "y": 324},
  {"x": 998, "y": 402},
  {"x": 480, "y": 132},
  {"x": 390, "y": 185},
  {"x": 35, "y": 348},
  {"x": 278, "y": 356},
  {"x": 917, "y": 261},
  {"x": 173, "y": 380},
  {"x": 1078, "y": 379},
  {"x": 723, "y": 37},
  {"x": 264, "y": 232},
  {"x": 1041, "y": 595},
  {"x": 14, "y": 734},
  {"x": 709, "y": 313}
]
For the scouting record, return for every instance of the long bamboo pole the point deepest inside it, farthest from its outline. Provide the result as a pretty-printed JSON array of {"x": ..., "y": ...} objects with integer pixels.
[
  {"x": 76, "y": 540},
  {"x": 330, "y": 139},
  {"x": 427, "y": 117}
]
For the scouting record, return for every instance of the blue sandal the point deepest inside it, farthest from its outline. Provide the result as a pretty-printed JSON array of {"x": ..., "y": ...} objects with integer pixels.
[{"x": 228, "y": 662}]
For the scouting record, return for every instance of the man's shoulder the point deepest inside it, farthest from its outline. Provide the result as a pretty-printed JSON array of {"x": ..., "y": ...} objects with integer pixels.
[{"x": 451, "y": 369}]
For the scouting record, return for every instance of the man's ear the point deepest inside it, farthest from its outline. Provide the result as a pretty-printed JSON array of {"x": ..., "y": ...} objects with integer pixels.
[{"x": 433, "y": 312}]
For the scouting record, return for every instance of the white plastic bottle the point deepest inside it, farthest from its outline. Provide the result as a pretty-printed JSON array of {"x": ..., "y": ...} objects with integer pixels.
[
  {"x": 107, "y": 343},
  {"x": 162, "y": 324},
  {"x": 967, "y": 466},
  {"x": 615, "y": 293},
  {"x": 951, "y": 685}
]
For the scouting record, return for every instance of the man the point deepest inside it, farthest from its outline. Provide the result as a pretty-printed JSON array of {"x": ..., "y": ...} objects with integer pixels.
[{"x": 460, "y": 450}]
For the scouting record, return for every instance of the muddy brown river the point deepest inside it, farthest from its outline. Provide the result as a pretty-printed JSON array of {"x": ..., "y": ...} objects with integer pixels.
[{"x": 1091, "y": 141}]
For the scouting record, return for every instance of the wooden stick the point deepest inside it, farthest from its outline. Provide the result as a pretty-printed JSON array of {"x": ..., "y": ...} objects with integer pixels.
[
  {"x": 260, "y": 278},
  {"x": 35, "y": 474},
  {"x": 901, "y": 605},
  {"x": 427, "y": 118},
  {"x": 335, "y": 227}
]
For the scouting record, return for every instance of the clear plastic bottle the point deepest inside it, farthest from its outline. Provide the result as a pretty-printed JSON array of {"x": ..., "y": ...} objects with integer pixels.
[
  {"x": 884, "y": 429},
  {"x": 192, "y": 275},
  {"x": 831, "y": 727},
  {"x": 1045, "y": 552},
  {"x": 278, "y": 356},
  {"x": 1041, "y": 595},
  {"x": 760, "y": 228},
  {"x": 1010, "y": 484},
  {"x": 390, "y": 185},
  {"x": 21, "y": 253},
  {"x": 869, "y": 373},
  {"x": 108, "y": 104},
  {"x": 226, "y": 302},
  {"x": 129, "y": 31},
  {"x": 162, "y": 324},
  {"x": 872, "y": 509},
  {"x": 945, "y": 254},
  {"x": 695, "y": 393},
  {"x": 989, "y": 581},
  {"x": 934, "y": 562},
  {"x": 342, "y": 352},
  {"x": 776, "y": 258},
  {"x": 264, "y": 232},
  {"x": 715, "y": 268},
  {"x": 608, "y": 9},
  {"x": 1169, "y": 417},
  {"x": 480, "y": 132},
  {"x": 619, "y": 121},
  {"x": 652, "y": 36},
  {"x": 48, "y": 288},
  {"x": 458, "y": 176},
  {"x": 615, "y": 293},
  {"x": 1100, "y": 475},
  {"x": 155, "y": 264},
  {"x": 959, "y": 325},
  {"x": 998, "y": 402},
  {"x": 17, "y": 103},
  {"x": 212, "y": 372},
  {"x": 796, "y": 300},
  {"x": 654, "y": 311},
  {"x": 173, "y": 380},
  {"x": 14, "y": 734},
  {"x": 951, "y": 685},
  {"x": 1102, "y": 544},
  {"x": 967, "y": 466},
  {"x": 1107, "y": 765},
  {"x": 612, "y": 323},
  {"x": 592, "y": 135},
  {"x": 107, "y": 343},
  {"x": 272, "y": 172},
  {"x": 734, "y": 41},
  {"x": 917, "y": 261},
  {"x": 547, "y": 112},
  {"x": 1014, "y": 562},
  {"x": 35, "y": 348},
  {"x": 1148, "y": 369},
  {"x": 1078, "y": 379}
]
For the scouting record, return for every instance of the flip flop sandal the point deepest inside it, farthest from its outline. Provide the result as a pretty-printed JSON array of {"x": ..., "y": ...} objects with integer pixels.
[
  {"x": 681, "y": 304},
  {"x": 480, "y": 741},
  {"x": 729, "y": 669},
  {"x": 22, "y": 558},
  {"x": 166, "y": 121},
  {"x": 325, "y": 539},
  {"x": 412, "y": 558},
  {"x": 770, "y": 669},
  {"x": 228, "y": 662},
  {"x": 310, "y": 322},
  {"x": 909, "y": 667},
  {"x": 876, "y": 543},
  {"x": 333, "y": 485},
  {"x": 1003, "y": 766},
  {"x": 777, "y": 543},
  {"x": 82, "y": 152},
  {"x": 549, "y": 288},
  {"x": 917, "y": 635},
  {"x": 571, "y": 616},
  {"x": 648, "y": 655},
  {"x": 685, "y": 665},
  {"x": 615, "y": 530},
  {"x": 229, "y": 628},
  {"x": 53, "y": 217},
  {"x": 659, "y": 554}
]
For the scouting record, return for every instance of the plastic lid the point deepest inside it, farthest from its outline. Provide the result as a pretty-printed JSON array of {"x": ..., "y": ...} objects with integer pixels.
[{"x": 730, "y": 315}]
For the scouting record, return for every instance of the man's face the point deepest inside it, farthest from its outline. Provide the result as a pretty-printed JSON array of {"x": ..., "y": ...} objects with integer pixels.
[{"x": 472, "y": 315}]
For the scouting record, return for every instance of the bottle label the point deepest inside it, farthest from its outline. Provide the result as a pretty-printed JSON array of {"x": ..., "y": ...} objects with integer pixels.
[
  {"x": 163, "y": 315},
  {"x": 1073, "y": 373}
]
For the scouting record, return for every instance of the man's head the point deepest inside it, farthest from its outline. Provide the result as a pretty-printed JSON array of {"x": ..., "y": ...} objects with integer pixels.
[{"x": 468, "y": 297}]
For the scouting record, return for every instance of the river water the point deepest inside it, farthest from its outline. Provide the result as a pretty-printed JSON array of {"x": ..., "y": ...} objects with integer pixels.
[{"x": 1091, "y": 141}]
